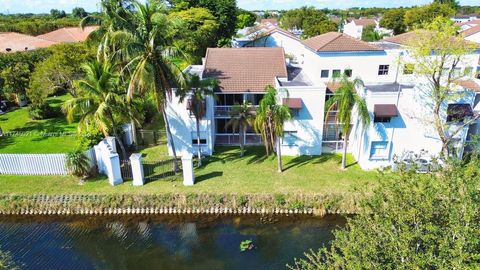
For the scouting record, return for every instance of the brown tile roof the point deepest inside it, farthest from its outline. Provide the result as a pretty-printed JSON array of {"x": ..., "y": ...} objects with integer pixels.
[
  {"x": 403, "y": 39},
  {"x": 17, "y": 42},
  {"x": 282, "y": 31},
  {"x": 245, "y": 69},
  {"x": 269, "y": 21},
  {"x": 364, "y": 22},
  {"x": 469, "y": 84},
  {"x": 473, "y": 22},
  {"x": 69, "y": 34},
  {"x": 336, "y": 42},
  {"x": 471, "y": 31}
]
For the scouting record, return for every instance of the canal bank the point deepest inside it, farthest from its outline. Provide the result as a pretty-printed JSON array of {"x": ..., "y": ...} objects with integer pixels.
[{"x": 180, "y": 203}]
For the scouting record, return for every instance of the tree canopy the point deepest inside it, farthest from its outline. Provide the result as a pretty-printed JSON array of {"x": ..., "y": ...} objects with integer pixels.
[
  {"x": 412, "y": 221},
  {"x": 394, "y": 19},
  {"x": 313, "y": 21},
  {"x": 419, "y": 16}
]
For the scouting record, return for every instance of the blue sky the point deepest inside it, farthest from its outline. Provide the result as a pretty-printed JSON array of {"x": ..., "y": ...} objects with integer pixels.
[{"x": 43, "y": 6}]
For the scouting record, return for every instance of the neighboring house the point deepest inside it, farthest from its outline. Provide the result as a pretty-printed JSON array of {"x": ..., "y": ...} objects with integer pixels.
[
  {"x": 394, "y": 96},
  {"x": 243, "y": 74},
  {"x": 472, "y": 34},
  {"x": 467, "y": 25},
  {"x": 465, "y": 18},
  {"x": 355, "y": 27},
  {"x": 15, "y": 42},
  {"x": 269, "y": 22},
  {"x": 69, "y": 34}
]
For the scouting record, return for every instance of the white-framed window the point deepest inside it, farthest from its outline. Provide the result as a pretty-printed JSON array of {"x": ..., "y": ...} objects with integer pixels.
[
  {"x": 290, "y": 138},
  {"x": 379, "y": 150},
  {"x": 203, "y": 138},
  {"x": 383, "y": 69},
  {"x": 336, "y": 73},
  {"x": 348, "y": 72}
]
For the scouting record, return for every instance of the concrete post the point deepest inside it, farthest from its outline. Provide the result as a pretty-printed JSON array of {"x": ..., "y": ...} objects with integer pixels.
[
  {"x": 98, "y": 157},
  {"x": 127, "y": 134},
  {"x": 113, "y": 168},
  {"x": 137, "y": 169},
  {"x": 187, "y": 165},
  {"x": 111, "y": 142}
]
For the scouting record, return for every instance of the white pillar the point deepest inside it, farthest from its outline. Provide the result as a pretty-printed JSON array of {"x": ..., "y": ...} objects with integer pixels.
[
  {"x": 98, "y": 157},
  {"x": 127, "y": 134},
  {"x": 112, "y": 144},
  {"x": 137, "y": 169},
  {"x": 187, "y": 165},
  {"x": 114, "y": 173}
]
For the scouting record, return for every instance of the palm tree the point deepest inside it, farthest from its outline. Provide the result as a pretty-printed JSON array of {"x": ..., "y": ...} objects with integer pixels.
[
  {"x": 100, "y": 102},
  {"x": 269, "y": 121},
  {"x": 152, "y": 55},
  {"x": 345, "y": 99},
  {"x": 241, "y": 117},
  {"x": 196, "y": 93}
]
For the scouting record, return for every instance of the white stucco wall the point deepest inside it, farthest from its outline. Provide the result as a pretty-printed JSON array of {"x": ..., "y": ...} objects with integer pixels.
[
  {"x": 353, "y": 30},
  {"x": 474, "y": 37},
  {"x": 308, "y": 124},
  {"x": 183, "y": 128}
]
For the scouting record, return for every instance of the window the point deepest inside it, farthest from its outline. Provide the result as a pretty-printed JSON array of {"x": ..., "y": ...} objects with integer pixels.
[
  {"x": 295, "y": 112},
  {"x": 408, "y": 69},
  {"x": 289, "y": 138},
  {"x": 203, "y": 140},
  {"x": 381, "y": 119},
  {"x": 383, "y": 69},
  {"x": 348, "y": 72},
  {"x": 336, "y": 73},
  {"x": 325, "y": 73},
  {"x": 379, "y": 150}
]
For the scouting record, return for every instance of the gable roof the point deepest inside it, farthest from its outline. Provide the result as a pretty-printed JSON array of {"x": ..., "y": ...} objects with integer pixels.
[
  {"x": 364, "y": 22},
  {"x": 402, "y": 39},
  {"x": 69, "y": 34},
  {"x": 337, "y": 42},
  {"x": 469, "y": 84},
  {"x": 16, "y": 42},
  {"x": 245, "y": 69},
  {"x": 269, "y": 21},
  {"x": 471, "y": 31}
]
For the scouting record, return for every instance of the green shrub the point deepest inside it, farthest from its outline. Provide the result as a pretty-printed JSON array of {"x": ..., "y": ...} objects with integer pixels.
[
  {"x": 43, "y": 111},
  {"x": 77, "y": 163}
]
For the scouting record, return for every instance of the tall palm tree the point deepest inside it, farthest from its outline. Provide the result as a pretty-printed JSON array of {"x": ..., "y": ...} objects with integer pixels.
[
  {"x": 100, "y": 101},
  {"x": 241, "y": 116},
  {"x": 345, "y": 99},
  {"x": 269, "y": 121},
  {"x": 151, "y": 54},
  {"x": 196, "y": 92}
]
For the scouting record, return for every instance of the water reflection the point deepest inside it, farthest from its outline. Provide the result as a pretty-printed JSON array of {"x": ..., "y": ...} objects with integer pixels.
[{"x": 195, "y": 242}]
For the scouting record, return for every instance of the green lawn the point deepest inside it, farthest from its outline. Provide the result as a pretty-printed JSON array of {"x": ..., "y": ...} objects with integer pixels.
[
  {"x": 224, "y": 172},
  {"x": 30, "y": 137}
]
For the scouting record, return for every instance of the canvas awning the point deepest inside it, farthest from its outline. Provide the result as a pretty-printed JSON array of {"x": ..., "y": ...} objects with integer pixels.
[
  {"x": 385, "y": 110},
  {"x": 293, "y": 103}
]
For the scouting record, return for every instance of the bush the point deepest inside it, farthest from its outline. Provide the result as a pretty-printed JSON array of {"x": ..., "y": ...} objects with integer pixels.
[
  {"x": 43, "y": 111},
  {"x": 77, "y": 163}
]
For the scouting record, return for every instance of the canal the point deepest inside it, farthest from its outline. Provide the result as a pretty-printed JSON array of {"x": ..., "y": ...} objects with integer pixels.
[{"x": 162, "y": 242}]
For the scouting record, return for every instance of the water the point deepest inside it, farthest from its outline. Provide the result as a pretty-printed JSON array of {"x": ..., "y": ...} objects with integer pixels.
[{"x": 196, "y": 242}]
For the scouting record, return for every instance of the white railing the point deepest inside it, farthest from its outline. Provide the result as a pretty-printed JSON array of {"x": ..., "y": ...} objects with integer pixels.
[{"x": 37, "y": 164}]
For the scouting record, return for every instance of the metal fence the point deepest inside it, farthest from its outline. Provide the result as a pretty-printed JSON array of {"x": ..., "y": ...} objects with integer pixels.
[
  {"x": 126, "y": 169},
  {"x": 157, "y": 170},
  {"x": 148, "y": 137}
]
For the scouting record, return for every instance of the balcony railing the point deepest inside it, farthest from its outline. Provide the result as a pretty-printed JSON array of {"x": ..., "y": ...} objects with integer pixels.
[
  {"x": 224, "y": 110},
  {"x": 234, "y": 139}
]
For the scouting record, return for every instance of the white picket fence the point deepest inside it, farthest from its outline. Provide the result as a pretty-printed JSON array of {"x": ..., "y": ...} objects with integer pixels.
[{"x": 37, "y": 164}]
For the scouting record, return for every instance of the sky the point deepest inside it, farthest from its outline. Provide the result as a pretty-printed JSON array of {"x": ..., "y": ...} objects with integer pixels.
[{"x": 44, "y": 6}]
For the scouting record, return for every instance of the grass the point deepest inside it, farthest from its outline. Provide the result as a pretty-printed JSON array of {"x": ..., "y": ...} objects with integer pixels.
[
  {"x": 30, "y": 138},
  {"x": 222, "y": 173}
]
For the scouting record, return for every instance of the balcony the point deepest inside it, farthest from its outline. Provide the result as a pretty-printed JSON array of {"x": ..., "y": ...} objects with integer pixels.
[
  {"x": 223, "y": 111},
  {"x": 234, "y": 139}
]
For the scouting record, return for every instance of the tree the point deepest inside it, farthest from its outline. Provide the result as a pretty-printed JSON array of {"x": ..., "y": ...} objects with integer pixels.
[
  {"x": 15, "y": 80},
  {"x": 269, "y": 122},
  {"x": 245, "y": 18},
  {"x": 146, "y": 41},
  {"x": 242, "y": 116},
  {"x": 345, "y": 100},
  {"x": 411, "y": 221},
  {"x": 56, "y": 14},
  {"x": 394, "y": 19},
  {"x": 452, "y": 3},
  {"x": 196, "y": 31},
  {"x": 197, "y": 92},
  {"x": 77, "y": 163},
  {"x": 369, "y": 34},
  {"x": 437, "y": 51},
  {"x": 100, "y": 101},
  {"x": 419, "y": 16},
  {"x": 79, "y": 12},
  {"x": 313, "y": 21}
]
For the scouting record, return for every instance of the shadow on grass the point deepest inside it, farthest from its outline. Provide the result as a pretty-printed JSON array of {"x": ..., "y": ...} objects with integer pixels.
[{"x": 208, "y": 176}]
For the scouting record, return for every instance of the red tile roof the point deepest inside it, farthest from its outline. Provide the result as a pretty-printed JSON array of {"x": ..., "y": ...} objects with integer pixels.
[
  {"x": 245, "y": 69},
  {"x": 16, "y": 42},
  {"x": 469, "y": 84},
  {"x": 335, "y": 42},
  {"x": 69, "y": 34},
  {"x": 269, "y": 21},
  {"x": 364, "y": 22},
  {"x": 403, "y": 39},
  {"x": 471, "y": 31}
]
